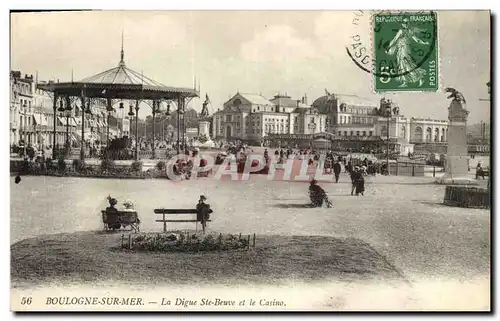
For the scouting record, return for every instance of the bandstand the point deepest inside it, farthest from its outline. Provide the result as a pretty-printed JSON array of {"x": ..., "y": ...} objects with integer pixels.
[{"x": 118, "y": 85}]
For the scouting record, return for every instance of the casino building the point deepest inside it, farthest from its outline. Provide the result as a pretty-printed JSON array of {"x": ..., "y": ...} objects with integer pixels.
[{"x": 333, "y": 121}]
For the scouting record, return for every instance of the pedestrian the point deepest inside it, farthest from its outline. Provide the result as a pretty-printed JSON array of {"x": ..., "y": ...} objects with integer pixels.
[
  {"x": 360, "y": 183},
  {"x": 204, "y": 212},
  {"x": 337, "y": 168},
  {"x": 354, "y": 178}
]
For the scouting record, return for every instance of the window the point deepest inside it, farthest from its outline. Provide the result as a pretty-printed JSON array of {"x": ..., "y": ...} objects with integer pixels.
[
  {"x": 357, "y": 133},
  {"x": 352, "y": 133},
  {"x": 258, "y": 108},
  {"x": 228, "y": 118},
  {"x": 340, "y": 133},
  {"x": 349, "y": 119},
  {"x": 364, "y": 133},
  {"x": 345, "y": 133},
  {"x": 383, "y": 131},
  {"x": 370, "y": 133}
]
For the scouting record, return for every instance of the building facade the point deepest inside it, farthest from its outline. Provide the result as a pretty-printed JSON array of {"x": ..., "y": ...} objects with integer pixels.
[
  {"x": 349, "y": 119},
  {"x": 252, "y": 117},
  {"x": 32, "y": 117},
  {"x": 21, "y": 109}
]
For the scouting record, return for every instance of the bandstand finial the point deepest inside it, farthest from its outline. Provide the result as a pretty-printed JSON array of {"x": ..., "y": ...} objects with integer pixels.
[{"x": 122, "y": 54}]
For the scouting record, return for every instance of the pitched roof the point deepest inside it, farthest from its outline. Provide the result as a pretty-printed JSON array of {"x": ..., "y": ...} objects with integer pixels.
[
  {"x": 287, "y": 102},
  {"x": 121, "y": 75},
  {"x": 256, "y": 99},
  {"x": 347, "y": 99}
]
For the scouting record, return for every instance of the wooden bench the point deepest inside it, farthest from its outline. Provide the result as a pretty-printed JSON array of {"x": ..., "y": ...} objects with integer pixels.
[
  {"x": 113, "y": 220},
  {"x": 164, "y": 220}
]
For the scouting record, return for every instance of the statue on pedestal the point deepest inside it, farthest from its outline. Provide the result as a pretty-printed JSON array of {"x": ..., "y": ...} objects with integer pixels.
[
  {"x": 457, "y": 159},
  {"x": 457, "y": 110},
  {"x": 204, "y": 110}
]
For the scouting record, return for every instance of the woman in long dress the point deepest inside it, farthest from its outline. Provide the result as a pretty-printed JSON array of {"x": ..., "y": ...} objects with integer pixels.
[{"x": 400, "y": 47}]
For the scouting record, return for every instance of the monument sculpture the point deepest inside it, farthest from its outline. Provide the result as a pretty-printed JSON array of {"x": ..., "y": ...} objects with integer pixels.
[
  {"x": 457, "y": 168},
  {"x": 204, "y": 125}
]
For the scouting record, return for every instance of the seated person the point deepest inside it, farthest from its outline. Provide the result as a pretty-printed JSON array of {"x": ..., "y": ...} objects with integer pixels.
[
  {"x": 317, "y": 194},
  {"x": 112, "y": 216}
]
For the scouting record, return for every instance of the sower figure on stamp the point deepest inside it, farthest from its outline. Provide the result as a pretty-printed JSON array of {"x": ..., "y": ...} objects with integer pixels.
[
  {"x": 204, "y": 212},
  {"x": 400, "y": 46}
]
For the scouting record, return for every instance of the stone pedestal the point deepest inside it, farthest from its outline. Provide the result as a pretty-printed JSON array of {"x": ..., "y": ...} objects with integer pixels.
[
  {"x": 204, "y": 128},
  {"x": 457, "y": 166}
]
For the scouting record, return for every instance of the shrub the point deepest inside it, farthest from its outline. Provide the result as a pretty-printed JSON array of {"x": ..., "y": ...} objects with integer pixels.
[
  {"x": 78, "y": 165},
  {"x": 61, "y": 164},
  {"x": 48, "y": 163},
  {"x": 136, "y": 166},
  {"x": 107, "y": 164},
  {"x": 161, "y": 166}
]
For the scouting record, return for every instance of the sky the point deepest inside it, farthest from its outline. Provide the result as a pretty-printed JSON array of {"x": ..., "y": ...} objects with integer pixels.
[{"x": 263, "y": 52}]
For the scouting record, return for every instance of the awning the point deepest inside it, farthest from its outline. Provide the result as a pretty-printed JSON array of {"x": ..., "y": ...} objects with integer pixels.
[
  {"x": 40, "y": 120},
  {"x": 72, "y": 121},
  {"x": 77, "y": 137},
  {"x": 62, "y": 120}
]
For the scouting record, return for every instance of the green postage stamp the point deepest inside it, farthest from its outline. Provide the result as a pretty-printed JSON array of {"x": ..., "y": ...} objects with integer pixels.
[{"x": 405, "y": 51}]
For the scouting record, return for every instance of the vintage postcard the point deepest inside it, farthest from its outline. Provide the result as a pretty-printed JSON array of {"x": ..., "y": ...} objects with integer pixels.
[{"x": 250, "y": 161}]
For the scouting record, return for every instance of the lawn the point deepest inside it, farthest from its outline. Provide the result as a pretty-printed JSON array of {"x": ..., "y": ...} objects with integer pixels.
[{"x": 93, "y": 257}]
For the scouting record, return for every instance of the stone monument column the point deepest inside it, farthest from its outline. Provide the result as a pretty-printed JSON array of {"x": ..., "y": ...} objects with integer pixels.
[{"x": 457, "y": 168}]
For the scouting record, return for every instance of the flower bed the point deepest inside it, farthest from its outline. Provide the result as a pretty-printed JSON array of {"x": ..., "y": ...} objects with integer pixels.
[
  {"x": 466, "y": 196},
  {"x": 79, "y": 169},
  {"x": 185, "y": 242}
]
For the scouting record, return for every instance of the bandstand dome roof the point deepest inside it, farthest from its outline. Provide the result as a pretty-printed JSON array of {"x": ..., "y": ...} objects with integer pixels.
[{"x": 120, "y": 82}]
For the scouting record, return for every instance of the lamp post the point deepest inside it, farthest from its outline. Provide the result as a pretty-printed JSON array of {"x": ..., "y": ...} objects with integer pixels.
[
  {"x": 136, "y": 129},
  {"x": 24, "y": 129},
  {"x": 312, "y": 128},
  {"x": 63, "y": 113},
  {"x": 388, "y": 115}
]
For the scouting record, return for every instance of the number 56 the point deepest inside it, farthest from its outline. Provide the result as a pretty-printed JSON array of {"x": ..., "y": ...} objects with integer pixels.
[{"x": 26, "y": 301}]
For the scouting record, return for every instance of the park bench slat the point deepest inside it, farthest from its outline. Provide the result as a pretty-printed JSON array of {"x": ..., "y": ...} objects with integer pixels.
[
  {"x": 175, "y": 211},
  {"x": 181, "y": 221}
]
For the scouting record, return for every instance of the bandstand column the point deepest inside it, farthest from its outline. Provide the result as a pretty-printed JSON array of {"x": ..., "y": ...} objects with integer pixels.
[
  {"x": 82, "y": 146},
  {"x": 155, "y": 106},
  {"x": 107, "y": 122},
  {"x": 137, "y": 130},
  {"x": 183, "y": 106},
  {"x": 54, "y": 106},
  {"x": 178, "y": 124}
]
